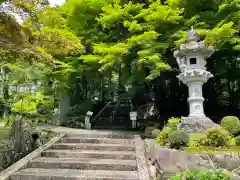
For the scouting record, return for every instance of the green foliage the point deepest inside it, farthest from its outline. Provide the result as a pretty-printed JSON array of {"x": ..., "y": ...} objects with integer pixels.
[
  {"x": 77, "y": 114},
  {"x": 233, "y": 142},
  {"x": 46, "y": 105},
  {"x": 231, "y": 123},
  {"x": 216, "y": 137},
  {"x": 173, "y": 122},
  {"x": 155, "y": 133},
  {"x": 178, "y": 139},
  {"x": 9, "y": 120},
  {"x": 26, "y": 105},
  {"x": 213, "y": 174},
  {"x": 83, "y": 43},
  {"x": 162, "y": 138},
  {"x": 135, "y": 39},
  {"x": 199, "y": 143},
  {"x": 237, "y": 140}
]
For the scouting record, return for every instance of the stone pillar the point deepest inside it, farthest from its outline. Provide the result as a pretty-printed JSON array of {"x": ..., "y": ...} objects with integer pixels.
[
  {"x": 87, "y": 120},
  {"x": 195, "y": 99},
  {"x": 191, "y": 58},
  {"x": 133, "y": 118},
  {"x": 55, "y": 118},
  {"x": 195, "y": 79},
  {"x": 64, "y": 107}
]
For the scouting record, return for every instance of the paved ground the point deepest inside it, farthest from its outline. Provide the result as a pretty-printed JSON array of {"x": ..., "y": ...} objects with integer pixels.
[{"x": 60, "y": 129}]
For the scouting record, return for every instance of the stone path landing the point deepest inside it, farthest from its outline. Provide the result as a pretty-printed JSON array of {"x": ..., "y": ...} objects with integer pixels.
[{"x": 89, "y": 157}]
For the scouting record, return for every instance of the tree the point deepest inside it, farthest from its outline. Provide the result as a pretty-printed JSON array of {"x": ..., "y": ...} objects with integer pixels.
[
  {"x": 136, "y": 40},
  {"x": 89, "y": 45}
]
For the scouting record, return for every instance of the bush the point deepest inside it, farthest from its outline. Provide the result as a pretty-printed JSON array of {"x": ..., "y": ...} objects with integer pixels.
[
  {"x": 194, "y": 139},
  {"x": 178, "y": 139},
  {"x": 77, "y": 114},
  {"x": 237, "y": 140},
  {"x": 173, "y": 122},
  {"x": 233, "y": 141},
  {"x": 217, "y": 137},
  {"x": 162, "y": 138},
  {"x": 155, "y": 133},
  {"x": 213, "y": 174},
  {"x": 232, "y": 124}
]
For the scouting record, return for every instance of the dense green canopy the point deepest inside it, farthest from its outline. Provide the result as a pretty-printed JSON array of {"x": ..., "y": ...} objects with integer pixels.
[{"x": 88, "y": 43}]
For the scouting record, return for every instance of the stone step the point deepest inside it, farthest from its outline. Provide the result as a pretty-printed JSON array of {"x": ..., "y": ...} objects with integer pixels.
[
  {"x": 84, "y": 154},
  {"x": 110, "y": 136},
  {"x": 70, "y": 174},
  {"x": 89, "y": 146},
  {"x": 96, "y": 140},
  {"x": 100, "y": 126},
  {"x": 84, "y": 164}
]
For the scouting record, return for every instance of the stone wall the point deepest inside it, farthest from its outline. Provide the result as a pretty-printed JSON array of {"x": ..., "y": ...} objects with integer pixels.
[{"x": 165, "y": 162}]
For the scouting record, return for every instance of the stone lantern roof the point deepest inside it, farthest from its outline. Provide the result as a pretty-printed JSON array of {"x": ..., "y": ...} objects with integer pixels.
[
  {"x": 192, "y": 35},
  {"x": 193, "y": 46}
]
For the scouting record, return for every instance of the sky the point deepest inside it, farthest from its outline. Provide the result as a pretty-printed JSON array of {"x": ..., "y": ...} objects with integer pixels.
[
  {"x": 19, "y": 18},
  {"x": 52, "y": 3},
  {"x": 56, "y": 2}
]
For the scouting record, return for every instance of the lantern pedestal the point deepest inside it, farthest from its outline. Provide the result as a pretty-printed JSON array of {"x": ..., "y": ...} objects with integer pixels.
[
  {"x": 196, "y": 124},
  {"x": 197, "y": 120}
]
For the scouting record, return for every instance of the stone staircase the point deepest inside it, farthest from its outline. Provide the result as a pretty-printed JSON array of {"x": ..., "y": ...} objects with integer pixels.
[
  {"x": 115, "y": 115},
  {"x": 86, "y": 157}
]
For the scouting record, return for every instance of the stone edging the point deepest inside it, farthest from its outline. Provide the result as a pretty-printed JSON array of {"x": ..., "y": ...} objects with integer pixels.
[
  {"x": 4, "y": 175},
  {"x": 142, "y": 167}
]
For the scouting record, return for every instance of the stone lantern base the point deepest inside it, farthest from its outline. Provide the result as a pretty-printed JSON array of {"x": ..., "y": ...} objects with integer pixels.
[{"x": 196, "y": 124}]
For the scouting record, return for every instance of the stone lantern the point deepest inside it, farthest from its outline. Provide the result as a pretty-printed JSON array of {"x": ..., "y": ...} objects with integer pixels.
[{"x": 191, "y": 58}]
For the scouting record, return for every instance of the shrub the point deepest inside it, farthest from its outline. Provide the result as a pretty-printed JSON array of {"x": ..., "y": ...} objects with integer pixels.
[
  {"x": 217, "y": 137},
  {"x": 232, "y": 124},
  {"x": 237, "y": 140},
  {"x": 173, "y": 122},
  {"x": 233, "y": 141},
  {"x": 178, "y": 139},
  {"x": 213, "y": 174},
  {"x": 155, "y": 133},
  {"x": 77, "y": 114},
  {"x": 162, "y": 138},
  {"x": 197, "y": 142}
]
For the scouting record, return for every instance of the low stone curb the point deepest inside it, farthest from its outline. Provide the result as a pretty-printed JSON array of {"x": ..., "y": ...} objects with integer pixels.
[
  {"x": 4, "y": 175},
  {"x": 142, "y": 166}
]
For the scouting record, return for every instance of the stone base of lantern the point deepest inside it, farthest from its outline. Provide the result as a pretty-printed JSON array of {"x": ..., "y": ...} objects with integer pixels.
[{"x": 196, "y": 124}]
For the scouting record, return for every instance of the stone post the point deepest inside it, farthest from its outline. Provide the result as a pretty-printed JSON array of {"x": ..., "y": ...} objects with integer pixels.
[
  {"x": 133, "y": 118},
  {"x": 64, "y": 107},
  {"x": 55, "y": 118},
  {"x": 191, "y": 58},
  {"x": 87, "y": 120}
]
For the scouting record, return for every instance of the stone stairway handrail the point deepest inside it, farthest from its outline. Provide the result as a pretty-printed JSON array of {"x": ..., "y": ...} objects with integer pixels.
[{"x": 100, "y": 112}]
